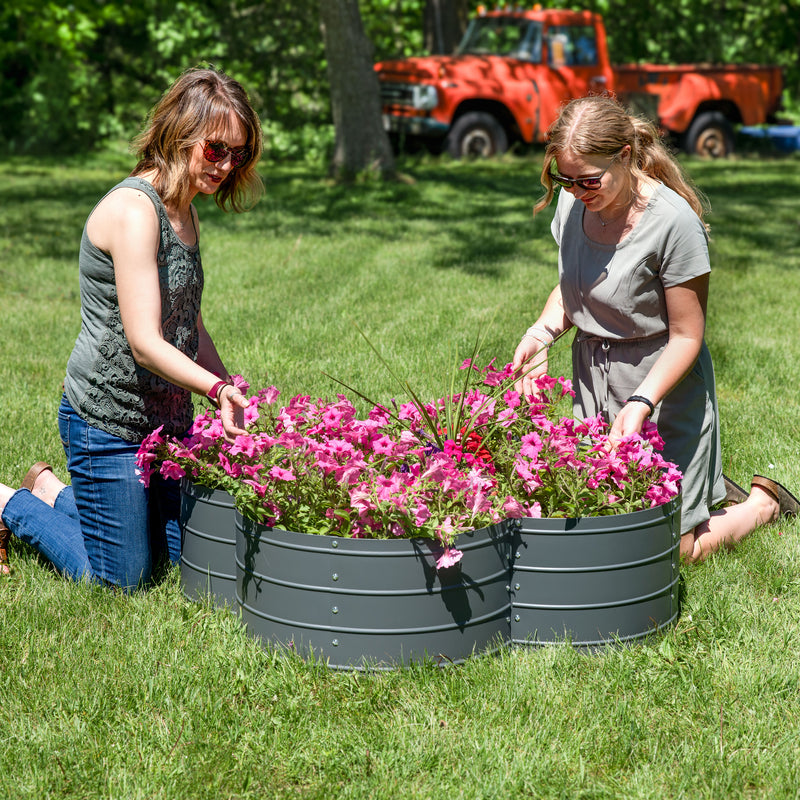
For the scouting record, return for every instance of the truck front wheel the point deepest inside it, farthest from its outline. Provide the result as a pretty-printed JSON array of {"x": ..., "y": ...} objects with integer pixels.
[
  {"x": 710, "y": 135},
  {"x": 476, "y": 135}
]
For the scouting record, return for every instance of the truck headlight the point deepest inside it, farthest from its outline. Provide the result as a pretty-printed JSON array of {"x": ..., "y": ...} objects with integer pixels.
[{"x": 425, "y": 97}]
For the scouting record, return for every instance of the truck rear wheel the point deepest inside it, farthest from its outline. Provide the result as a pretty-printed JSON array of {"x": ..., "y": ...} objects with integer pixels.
[
  {"x": 710, "y": 135},
  {"x": 476, "y": 135}
]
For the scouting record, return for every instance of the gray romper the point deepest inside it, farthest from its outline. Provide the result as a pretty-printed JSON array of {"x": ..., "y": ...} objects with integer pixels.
[{"x": 614, "y": 295}]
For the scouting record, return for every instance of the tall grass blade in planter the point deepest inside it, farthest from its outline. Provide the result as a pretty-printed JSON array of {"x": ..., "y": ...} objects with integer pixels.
[{"x": 373, "y": 603}]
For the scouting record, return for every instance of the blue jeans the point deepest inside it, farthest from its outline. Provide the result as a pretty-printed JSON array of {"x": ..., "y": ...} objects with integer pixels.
[{"x": 106, "y": 527}]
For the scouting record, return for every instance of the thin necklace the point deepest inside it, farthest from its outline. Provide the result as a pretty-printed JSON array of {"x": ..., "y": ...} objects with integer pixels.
[
  {"x": 626, "y": 208},
  {"x": 613, "y": 219}
]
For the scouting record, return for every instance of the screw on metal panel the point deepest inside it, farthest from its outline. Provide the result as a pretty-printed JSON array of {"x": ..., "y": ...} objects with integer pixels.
[
  {"x": 518, "y": 554},
  {"x": 516, "y": 586},
  {"x": 334, "y": 543},
  {"x": 516, "y": 618},
  {"x": 508, "y": 619},
  {"x": 335, "y": 609},
  {"x": 335, "y": 576},
  {"x": 335, "y": 642},
  {"x": 508, "y": 588}
]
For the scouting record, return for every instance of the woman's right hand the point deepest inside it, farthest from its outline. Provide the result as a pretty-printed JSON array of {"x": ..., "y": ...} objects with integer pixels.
[
  {"x": 232, "y": 404},
  {"x": 530, "y": 362}
]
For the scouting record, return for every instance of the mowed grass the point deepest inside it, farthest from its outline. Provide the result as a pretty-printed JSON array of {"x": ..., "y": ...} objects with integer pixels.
[{"x": 104, "y": 696}]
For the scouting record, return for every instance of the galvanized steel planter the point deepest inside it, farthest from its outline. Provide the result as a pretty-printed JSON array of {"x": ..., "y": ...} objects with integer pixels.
[
  {"x": 595, "y": 580},
  {"x": 208, "y": 553},
  {"x": 366, "y": 603}
]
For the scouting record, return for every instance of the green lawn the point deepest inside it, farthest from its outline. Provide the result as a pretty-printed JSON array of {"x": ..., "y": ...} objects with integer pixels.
[{"x": 148, "y": 696}]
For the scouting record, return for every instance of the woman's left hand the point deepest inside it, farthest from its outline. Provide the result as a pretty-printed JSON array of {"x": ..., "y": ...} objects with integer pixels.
[
  {"x": 232, "y": 404},
  {"x": 629, "y": 420}
]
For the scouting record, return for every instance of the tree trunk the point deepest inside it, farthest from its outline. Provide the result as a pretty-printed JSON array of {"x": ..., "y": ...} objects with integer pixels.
[
  {"x": 445, "y": 23},
  {"x": 361, "y": 144}
]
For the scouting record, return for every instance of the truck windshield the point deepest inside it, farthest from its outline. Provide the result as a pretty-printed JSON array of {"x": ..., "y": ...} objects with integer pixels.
[{"x": 503, "y": 36}]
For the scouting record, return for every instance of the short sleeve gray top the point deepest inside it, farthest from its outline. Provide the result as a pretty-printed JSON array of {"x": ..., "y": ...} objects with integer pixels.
[
  {"x": 617, "y": 291},
  {"x": 104, "y": 384}
]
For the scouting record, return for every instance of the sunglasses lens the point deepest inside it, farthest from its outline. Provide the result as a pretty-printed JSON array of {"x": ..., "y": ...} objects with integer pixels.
[
  {"x": 214, "y": 151},
  {"x": 565, "y": 182},
  {"x": 238, "y": 157},
  {"x": 590, "y": 183}
]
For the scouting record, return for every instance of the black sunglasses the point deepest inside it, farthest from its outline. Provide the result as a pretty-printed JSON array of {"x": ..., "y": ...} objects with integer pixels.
[
  {"x": 216, "y": 151},
  {"x": 589, "y": 184}
]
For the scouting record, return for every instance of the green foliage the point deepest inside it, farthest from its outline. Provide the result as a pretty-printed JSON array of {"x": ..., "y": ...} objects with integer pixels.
[
  {"x": 395, "y": 27},
  {"x": 77, "y": 74}
]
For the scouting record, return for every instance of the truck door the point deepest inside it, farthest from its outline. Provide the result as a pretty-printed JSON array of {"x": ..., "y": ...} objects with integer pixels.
[{"x": 574, "y": 59}]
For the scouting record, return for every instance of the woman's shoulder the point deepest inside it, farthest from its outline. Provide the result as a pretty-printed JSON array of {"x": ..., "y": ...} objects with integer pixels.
[
  {"x": 126, "y": 210},
  {"x": 669, "y": 201},
  {"x": 672, "y": 211}
]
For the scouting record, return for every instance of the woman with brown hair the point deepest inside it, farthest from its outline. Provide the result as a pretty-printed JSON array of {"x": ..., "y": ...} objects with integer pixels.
[
  {"x": 142, "y": 348},
  {"x": 633, "y": 279}
]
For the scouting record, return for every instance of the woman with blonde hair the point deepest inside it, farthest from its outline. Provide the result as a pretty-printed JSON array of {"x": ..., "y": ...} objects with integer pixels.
[
  {"x": 143, "y": 348},
  {"x": 633, "y": 279}
]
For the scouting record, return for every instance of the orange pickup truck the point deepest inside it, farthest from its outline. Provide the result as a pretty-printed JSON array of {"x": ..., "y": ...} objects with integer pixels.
[{"x": 514, "y": 69}]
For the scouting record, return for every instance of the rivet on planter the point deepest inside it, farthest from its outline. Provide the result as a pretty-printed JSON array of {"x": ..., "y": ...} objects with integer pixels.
[
  {"x": 335, "y": 610},
  {"x": 335, "y": 642},
  {"x": 335, "y": 576},
  {"x": 516, "y": 618},
  {"x": 516, "y": 587},
  {"x": 334, "y": 543},
  {"x": 518, "y": 554}
]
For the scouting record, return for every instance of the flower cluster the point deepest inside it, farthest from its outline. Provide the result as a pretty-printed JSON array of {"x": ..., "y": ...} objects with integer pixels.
[{"x": 417, "y": 469}]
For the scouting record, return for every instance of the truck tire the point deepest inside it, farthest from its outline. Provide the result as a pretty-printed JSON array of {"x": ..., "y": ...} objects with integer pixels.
[
  {"x": 476, "y": 135},
  {"x": 710, "y": 136}
]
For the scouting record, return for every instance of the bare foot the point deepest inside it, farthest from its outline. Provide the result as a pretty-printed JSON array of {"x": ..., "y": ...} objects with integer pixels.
[{"x": 769, "y": 508}]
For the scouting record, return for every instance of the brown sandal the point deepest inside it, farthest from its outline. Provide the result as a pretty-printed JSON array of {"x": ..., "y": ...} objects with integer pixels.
[
  {"x": 788, "y": 503},
  {"x": 733, "y": 492},
  {"x": 29, "y": 481},
  {"x": 5, "y": 534}
]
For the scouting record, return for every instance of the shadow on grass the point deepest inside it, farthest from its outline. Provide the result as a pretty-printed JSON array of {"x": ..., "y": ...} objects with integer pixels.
[{"x": 480, "y": 213}]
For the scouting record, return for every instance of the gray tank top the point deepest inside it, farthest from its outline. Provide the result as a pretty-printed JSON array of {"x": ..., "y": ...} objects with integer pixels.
[{"x": 104, "y": 384}]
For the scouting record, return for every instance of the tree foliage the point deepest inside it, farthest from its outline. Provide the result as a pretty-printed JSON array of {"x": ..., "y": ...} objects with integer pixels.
[{"x": 76, "y": 74}]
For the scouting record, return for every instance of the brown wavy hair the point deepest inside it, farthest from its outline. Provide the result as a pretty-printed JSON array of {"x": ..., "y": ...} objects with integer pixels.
[
  {"x": 598, "y": 125},
  {"x": 199, "y": 101}
]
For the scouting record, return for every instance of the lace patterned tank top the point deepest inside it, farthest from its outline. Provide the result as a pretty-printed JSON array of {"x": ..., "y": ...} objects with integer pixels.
[{"x": 104, "y": 384}]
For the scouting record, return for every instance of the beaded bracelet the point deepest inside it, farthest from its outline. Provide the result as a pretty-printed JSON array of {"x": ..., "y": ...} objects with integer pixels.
[
  {"x": 534, "y": 329},
  {"x": 637, "y": 398}
]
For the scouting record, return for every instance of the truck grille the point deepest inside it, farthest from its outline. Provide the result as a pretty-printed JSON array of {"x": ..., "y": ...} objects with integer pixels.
[{"x": 397, "y": 94}]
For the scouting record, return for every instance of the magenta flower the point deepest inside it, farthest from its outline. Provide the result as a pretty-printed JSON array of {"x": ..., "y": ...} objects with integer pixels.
[
  {"x": 449, "y": 558},
  {"x": 281, "y": 474}
]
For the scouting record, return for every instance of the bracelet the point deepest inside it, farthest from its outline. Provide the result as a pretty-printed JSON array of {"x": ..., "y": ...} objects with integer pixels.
[
  {"x": 213, "y": 394},
  {"x": 548, "y": 339},
  {"x": 637, "y": 398}
]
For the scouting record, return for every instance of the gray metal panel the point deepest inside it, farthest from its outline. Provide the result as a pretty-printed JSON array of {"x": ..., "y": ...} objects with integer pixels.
[
  {"x": 208, "y": 552},
  {"x": 359, "y": 603}
]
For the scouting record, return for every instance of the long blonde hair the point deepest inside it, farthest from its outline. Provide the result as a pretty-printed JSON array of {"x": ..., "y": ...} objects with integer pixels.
[
  {"x": 599, "y": 126},
  {"x": 196, "y": 103}
]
